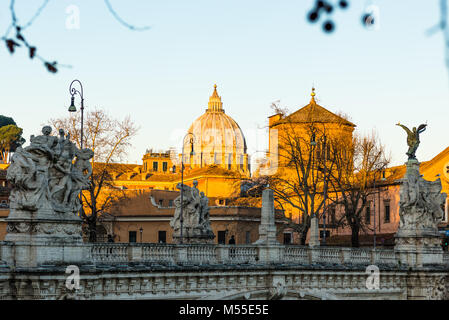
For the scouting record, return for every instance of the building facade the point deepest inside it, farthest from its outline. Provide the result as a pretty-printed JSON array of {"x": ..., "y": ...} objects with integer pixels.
[{"x": 145, "y": 217}]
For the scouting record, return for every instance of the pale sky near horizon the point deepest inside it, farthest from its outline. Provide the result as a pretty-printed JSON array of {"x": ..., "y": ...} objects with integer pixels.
[{"x": 257, "y": 52}]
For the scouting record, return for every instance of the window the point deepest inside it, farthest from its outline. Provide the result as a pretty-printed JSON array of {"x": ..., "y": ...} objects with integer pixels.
[
  {"x": 155, "y": 166},
  {"x": 161, "y": 202},
  {"x": 170, "y": 203},
  {"x": 221, "y": 237},
  {"x": 368, "y": 213},
  {"x": 248, "y": 237},
  {"x": 328, "y": 234},
  {"x": 287, "y": 238},
  {"x": 332, "y": 214},
  {"x": 164, "y": 166},
  {"x": 132, "y": 236},
  {"x": 162, "y": 237},
  {"x": 387, "y": 211}
]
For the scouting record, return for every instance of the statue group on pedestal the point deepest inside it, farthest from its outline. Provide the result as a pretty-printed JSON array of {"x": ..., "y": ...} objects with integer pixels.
[
  {"x": 195, "y": 215},
  {"x": 49, "y": 174},
  {"x": 420, "y": 203}
]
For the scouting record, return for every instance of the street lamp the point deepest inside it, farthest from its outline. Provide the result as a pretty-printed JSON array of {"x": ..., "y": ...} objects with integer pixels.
[
  {"x": 313, "y": 143},
  {"x": 374, "y": 203},
  {"x": 73, "y": 91},
  {"x": 324, "y": 189},
  {"x": 192, "y": 153},
  {"x": 141, "y": 234}
]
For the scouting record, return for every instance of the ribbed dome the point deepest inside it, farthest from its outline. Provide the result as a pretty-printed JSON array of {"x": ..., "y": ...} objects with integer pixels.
[{"x": 217, "y": 139}]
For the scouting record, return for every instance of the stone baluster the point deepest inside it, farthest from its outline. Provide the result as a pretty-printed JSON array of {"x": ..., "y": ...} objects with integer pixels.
[
  {"x": 181, "y": 253},
  {"x": 222, "y": 254},
  {"x": 135, "y": 253}
]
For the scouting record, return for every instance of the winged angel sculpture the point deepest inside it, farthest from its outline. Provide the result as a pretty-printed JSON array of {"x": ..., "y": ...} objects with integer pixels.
[{"x": 412, "y": 139}]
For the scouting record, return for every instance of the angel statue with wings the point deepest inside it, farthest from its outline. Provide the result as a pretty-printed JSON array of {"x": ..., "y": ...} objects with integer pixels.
[{"x": 412, "y": 139}]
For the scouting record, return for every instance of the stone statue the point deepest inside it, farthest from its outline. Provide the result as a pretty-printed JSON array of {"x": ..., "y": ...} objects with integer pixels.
[
  {"x": 43, "y": 175},
  {"x": 195, "y": 215},
  {"x": 412, "y": 139},
  {"x": 420, "y": 210}
]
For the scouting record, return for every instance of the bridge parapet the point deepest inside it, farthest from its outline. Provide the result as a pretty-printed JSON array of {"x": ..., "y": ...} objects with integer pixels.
[{"x": 239, "y": 254}]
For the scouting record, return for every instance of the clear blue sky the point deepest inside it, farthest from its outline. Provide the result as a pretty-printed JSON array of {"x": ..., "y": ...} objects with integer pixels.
[{"x": 256, "y": 51}]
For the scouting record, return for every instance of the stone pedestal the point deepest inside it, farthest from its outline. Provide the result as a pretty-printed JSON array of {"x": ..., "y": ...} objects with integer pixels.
[
  {"x": 44, "y": 237},
  {"x": 314, "y": 240},
  {"x": 267, "y": 227},
  {"x": 417, "y": 241}
]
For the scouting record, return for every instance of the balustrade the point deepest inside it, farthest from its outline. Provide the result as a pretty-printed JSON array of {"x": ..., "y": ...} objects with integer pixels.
[{"x": 237, "y": 254}]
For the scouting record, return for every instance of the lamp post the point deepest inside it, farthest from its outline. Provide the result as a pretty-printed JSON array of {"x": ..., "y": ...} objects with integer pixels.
[
  {"x": 374, "y": 203},
  {"x": 313, "y": 143},
  {"x": 73, "y": 91},
  {"x": 324, "y": 190},
  {"x": 192, "y": 153},
  {"x": 141, "y": 234}
]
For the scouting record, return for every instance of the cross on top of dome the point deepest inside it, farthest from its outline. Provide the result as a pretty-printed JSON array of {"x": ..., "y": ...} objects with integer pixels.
[{"x": 215, "y": 103}]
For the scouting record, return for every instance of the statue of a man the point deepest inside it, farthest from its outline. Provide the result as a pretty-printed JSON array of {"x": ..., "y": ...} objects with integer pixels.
[{"x": 412, "y": 139}]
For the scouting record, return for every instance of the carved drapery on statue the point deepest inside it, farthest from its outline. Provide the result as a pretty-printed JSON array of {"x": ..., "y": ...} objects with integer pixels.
[
  {"x": 417, "y": 240},
  {"x": 196, "y": 226},
  {"x": 47, "y": 178},
  {"x": 420, "y": 202},
  {"x": 420, "y": 211},
  {"x": 44, "y": 176}
]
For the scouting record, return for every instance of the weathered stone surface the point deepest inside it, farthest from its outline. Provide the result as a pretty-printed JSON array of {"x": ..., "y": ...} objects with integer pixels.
[
  {"x": 267, "y": 227},
  {"x": 314, "y": 232},
  {"x": 266, "y": 283},
  {"x": 418, "y": 241},
  {"x": 44, "y": 202},
  {"x": 191, "y": 216}
]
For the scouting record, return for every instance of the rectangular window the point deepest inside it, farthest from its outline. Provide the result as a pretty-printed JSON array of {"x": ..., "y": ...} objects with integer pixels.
[
  {"x": 287, "y": 238},
  {"x": 248, "y": 237},
  {"x": 170, "y": 203},
  {"x": 155, "y": 166},
  {"x": 162, "y": 237},
  {"x": 387, "y": 211},
  {"x": 132, "y": 237},
  {"x": 161, "y": 202},
  {"x": 331, "y": 214},
  {"x": 221, "y": 237},
  {"x": 164, "y": 166},
  {"x": 328, "y": 234},
  {"x": 368, "y": 213}
]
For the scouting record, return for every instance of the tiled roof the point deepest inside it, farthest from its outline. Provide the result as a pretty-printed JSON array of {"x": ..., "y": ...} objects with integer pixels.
[{"x": 314, "y": 113}]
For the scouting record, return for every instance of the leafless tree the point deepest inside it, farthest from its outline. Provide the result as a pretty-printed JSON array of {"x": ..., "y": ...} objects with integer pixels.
[
  {"x": 356, "y": 170},
  {"x": 109, "y": 139},
  {"x": 300, "y": 180}
]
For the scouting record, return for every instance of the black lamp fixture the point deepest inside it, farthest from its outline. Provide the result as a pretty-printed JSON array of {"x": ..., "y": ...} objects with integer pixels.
[
  {"x": 73, "y": 91},
  {"x": 72, "y": 107}
]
